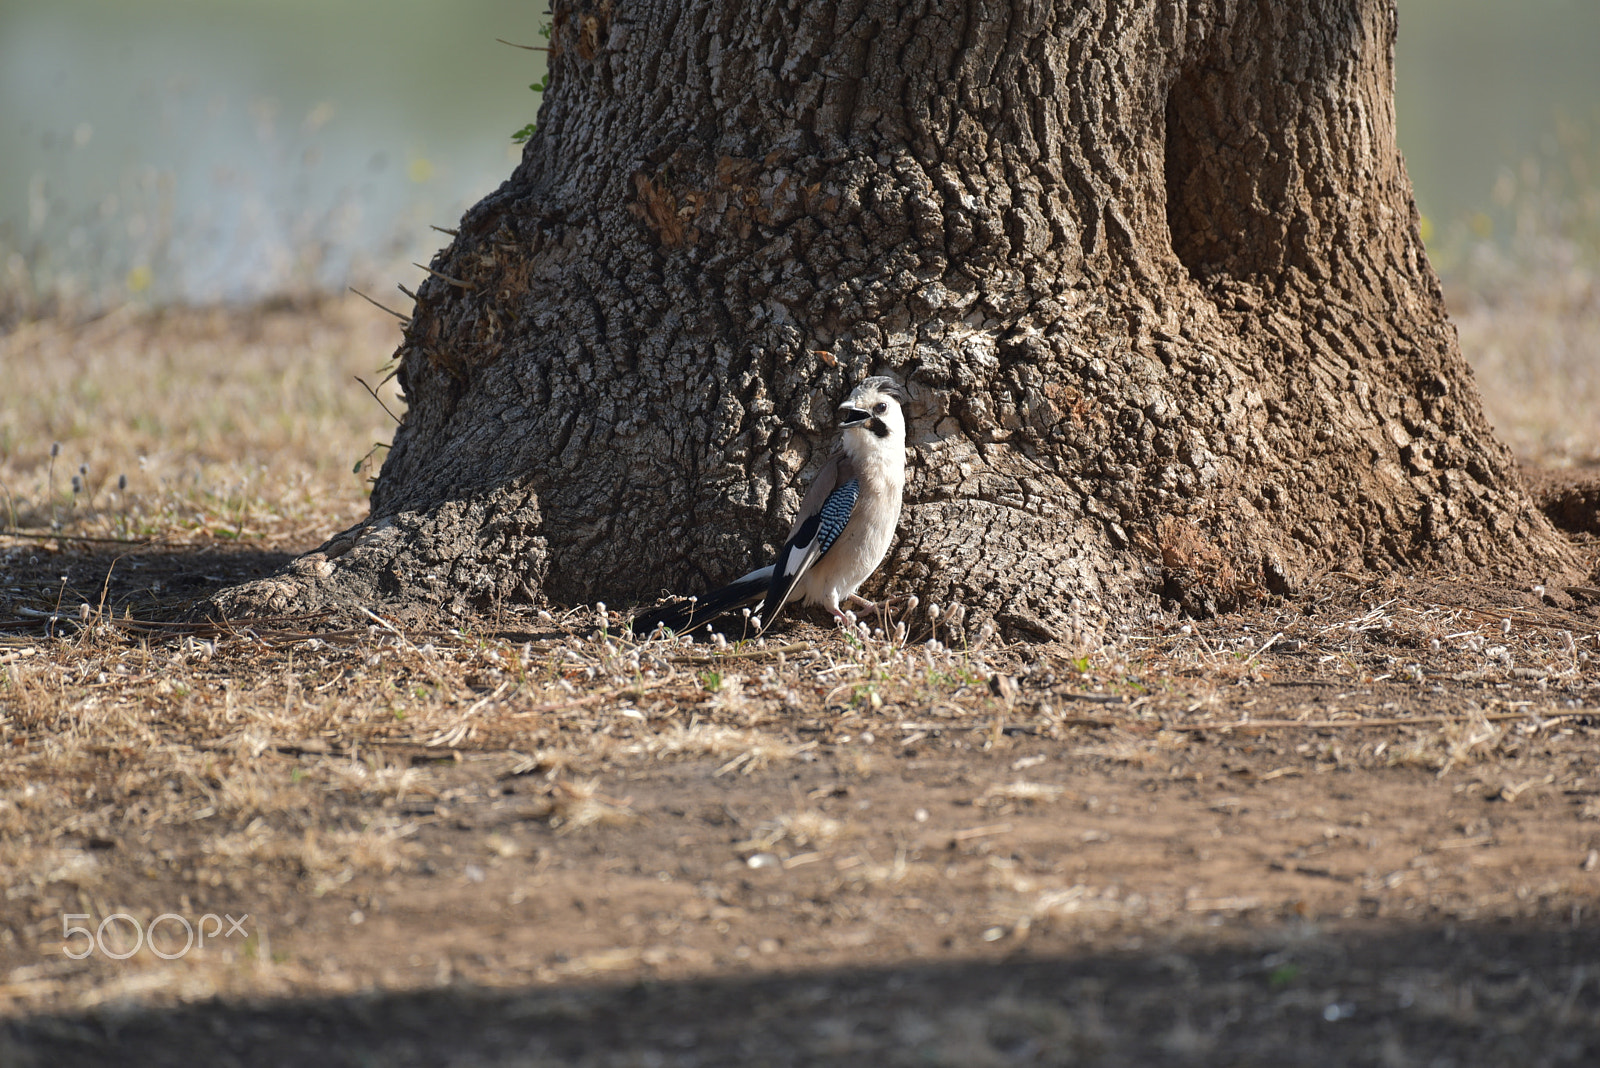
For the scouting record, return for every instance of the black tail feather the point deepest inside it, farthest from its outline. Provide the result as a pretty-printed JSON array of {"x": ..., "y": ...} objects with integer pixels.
[{"x": 685, "y": 614}]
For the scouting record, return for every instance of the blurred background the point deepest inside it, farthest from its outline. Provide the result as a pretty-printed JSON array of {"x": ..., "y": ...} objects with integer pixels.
[
  {"x": 224, "y": 158},
  {"x": 205, "y": 150}
]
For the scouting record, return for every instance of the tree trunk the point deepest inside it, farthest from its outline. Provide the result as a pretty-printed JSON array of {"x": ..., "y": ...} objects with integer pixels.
[{"x": 1151, "y": 272}]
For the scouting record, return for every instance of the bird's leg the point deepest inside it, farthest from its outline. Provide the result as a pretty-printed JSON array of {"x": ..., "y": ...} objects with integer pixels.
[{"x": 882, "y": 610}]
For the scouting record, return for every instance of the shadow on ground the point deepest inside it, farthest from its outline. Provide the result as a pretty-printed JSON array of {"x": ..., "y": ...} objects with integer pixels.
[
  {"x": 148, "y": 580},
  {"x": 1525, "y": 994}
]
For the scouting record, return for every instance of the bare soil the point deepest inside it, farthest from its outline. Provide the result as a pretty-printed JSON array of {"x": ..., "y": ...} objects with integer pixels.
[{"x": 1357, "y": 826}]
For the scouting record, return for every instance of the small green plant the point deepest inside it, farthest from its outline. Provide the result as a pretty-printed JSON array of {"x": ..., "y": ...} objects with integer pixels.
[
  {"x": 522, "y": 135},
  {"x": 1283, "y": 975},
  {"x": 363, "y": 461}
]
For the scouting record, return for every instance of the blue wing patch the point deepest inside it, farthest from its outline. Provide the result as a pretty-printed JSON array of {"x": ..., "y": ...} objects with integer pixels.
[
  {"x": 813, "y": 538},
  {"x": 835, "y": 514}
]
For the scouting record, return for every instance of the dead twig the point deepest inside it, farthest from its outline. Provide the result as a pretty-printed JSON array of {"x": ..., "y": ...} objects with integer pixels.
[
  {"x": 743, "y": 654},
  {"x": 379, "y": 399},
  {"x": 525, "y": 48},
  {"x": 447, "y": 278},
  {"x": 403, "y": 318},
  {"x": 33, "y": 536},
  {"x": 1391, "y": 721},
  {"x": 596, "y": 698}
]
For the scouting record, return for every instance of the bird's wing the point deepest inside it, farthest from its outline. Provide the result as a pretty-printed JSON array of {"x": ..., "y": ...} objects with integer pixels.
[
  {"x": 835, "y": 471},
  {"x": 824, "y": 513}
]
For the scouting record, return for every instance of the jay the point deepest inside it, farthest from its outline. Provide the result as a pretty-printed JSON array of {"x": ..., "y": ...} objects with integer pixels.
[{"x": 840, "y": 536}]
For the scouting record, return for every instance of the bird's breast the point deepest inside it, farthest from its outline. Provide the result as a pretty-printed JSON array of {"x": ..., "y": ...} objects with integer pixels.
[{"x": 860, "y": 548}]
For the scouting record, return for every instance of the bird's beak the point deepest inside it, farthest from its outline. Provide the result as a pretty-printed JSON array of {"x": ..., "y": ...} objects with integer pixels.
[{"x": 849, "y": 416}]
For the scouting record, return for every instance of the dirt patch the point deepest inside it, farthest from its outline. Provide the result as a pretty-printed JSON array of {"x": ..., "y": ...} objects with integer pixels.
[{"x": 1360, "y": 826}]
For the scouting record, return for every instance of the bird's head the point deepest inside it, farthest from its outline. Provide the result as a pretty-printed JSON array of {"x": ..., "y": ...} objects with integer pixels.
[{"x": 873, "y": 409}]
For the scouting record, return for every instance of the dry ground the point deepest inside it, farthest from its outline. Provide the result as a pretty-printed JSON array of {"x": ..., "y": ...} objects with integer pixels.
[{"x": 1358, "y": 827}]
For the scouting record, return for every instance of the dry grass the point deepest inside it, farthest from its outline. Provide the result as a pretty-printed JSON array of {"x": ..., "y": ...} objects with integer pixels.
[
  {"x": 238, "y": 425},
  {"x": 1536, "y": 354}
]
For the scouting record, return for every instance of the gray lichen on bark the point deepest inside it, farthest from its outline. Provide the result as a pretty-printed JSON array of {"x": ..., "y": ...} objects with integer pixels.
[{"x": 1151, "y": 272}]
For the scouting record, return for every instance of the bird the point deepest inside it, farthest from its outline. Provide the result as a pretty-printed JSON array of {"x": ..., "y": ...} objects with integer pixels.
[{"x": 846, "y": 522}]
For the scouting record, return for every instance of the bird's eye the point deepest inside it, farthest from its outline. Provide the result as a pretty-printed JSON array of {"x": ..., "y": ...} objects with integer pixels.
[{"x": 880, "y": 408}]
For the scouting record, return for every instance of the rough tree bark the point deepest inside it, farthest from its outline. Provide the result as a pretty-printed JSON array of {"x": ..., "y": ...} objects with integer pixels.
[{"x": 1150, "y": 269}]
